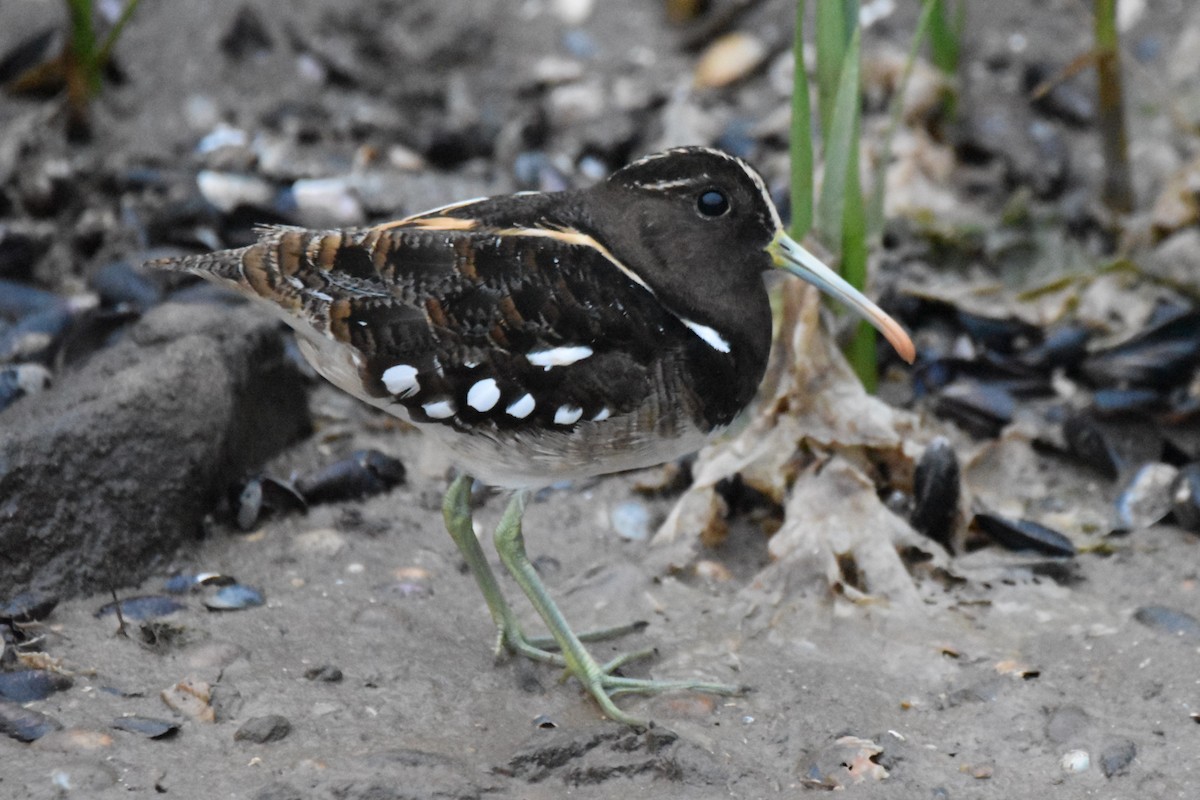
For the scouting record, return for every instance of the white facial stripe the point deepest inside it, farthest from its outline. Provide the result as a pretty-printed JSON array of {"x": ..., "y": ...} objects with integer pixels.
[
  {"x": 484, "y": 395},
  {"x": 750, "y": 171},
  {"x": 522, "y": 408},
  {"x": 662, "y": 185},
  {"x": 567, "y": 415},
  {"x": 401, "y": 380},
  {"x": 559, "y": 356},
  {"x": 442, "y": 409},
  {"x": 713, "y": 339}
]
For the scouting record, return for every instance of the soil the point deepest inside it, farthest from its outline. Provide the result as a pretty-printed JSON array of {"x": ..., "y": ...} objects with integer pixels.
[{"x": 985, "y": 688}]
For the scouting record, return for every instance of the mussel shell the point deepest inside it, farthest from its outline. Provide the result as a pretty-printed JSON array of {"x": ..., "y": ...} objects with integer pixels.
[
  {"x": 234, "y": 597},
  {"x": 1185, "y": 497},
  {"x": 981, "y": 409},
  {"x": 25, "y": 685},
  {"x": 363, "y": 473},
  {"x": 936, "y": 491},
  {"x": 143, "y": 607},
  {"x": 28, "y": 607},
  {"x": 25, "y": 724},
  {"x": 150, "y": 727},
  {"x": 1024, "y": 534},
  {"x": 1162, "y": 356}
]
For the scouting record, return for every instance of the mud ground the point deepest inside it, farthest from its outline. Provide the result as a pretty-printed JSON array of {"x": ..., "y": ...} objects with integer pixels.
[{"x": 979, "y": 693}]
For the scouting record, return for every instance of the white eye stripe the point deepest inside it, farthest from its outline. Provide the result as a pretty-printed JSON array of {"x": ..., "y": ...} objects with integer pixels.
[{"x": 559, "y": 356}]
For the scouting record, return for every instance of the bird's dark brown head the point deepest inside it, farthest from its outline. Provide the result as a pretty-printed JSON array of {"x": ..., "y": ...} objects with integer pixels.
[
  {"x": 694, "y": 223},
  {"x": 699, "y": 228}
]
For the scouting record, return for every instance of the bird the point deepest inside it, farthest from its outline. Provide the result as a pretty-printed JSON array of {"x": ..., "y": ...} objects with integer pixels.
[{"x": 542, "y": 337}]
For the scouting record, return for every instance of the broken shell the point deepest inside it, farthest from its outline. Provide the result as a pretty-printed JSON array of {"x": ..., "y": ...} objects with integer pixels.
[
  {"x": 1147, "y": 499},
  {"x": 150, "y": 727},
  {"x": 235, "y": 597},
  {"x": 1024, "y": 534},
  {"x": 363, "y": 473},
  {"x": 19, "y": 380},
  {"x": 143, "y": 607}
]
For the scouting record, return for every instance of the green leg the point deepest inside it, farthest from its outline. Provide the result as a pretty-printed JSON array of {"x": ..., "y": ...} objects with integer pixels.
[
  {"x": 510, "y": 544},
  {"x": 456, "y": 509}
]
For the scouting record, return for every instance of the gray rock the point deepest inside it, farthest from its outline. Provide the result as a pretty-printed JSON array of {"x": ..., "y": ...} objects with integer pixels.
[
  {"x": 261, "y": 730},
  {"x": 105, "y": 476}
]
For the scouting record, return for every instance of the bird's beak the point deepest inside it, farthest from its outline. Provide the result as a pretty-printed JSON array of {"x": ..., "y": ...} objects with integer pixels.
[{"x": 795, "y": 259}]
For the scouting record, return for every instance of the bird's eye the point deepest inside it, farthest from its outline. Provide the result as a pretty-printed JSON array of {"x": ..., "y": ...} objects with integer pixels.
[{"x": 712, "y": 203}]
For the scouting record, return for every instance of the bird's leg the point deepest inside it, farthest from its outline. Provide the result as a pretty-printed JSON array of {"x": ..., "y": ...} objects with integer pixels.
[
  {"x": 456, "y": 509},
  {"x": 510, "y": 544}
]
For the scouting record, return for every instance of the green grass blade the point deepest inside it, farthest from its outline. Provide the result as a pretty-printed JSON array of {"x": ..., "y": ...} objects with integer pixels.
[
  {"x": 800, "y": 140},
  {"x": 83, "y": 43},
  {"x": 861, "y": 352},
  {"x": 114, "y": 34},
  {"x": 831, "y": 41},
  {"x": 945, "y": 34},
  {"x": 1118, "y": 189},
  {"x": 841, "y": 144}
]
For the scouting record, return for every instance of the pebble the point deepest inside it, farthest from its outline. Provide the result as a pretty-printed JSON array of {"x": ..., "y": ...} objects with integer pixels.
[
  {"x": 1169, "y": 620},
  {"x": 729, "y": 59},
  {"x": 260, "y": 730},
  {"x": 1116, "y": 757},
  {"x": 326, "y": 673},
  {"x": 631, "y": 521},
  {"x": 327, "y": 201},
  {"x": 1075, "y": 761},
  {"x": 226, "y": 190}
]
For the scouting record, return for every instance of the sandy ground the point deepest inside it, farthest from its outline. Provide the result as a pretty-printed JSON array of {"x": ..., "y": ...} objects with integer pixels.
[{"x": 980, "y": 692}]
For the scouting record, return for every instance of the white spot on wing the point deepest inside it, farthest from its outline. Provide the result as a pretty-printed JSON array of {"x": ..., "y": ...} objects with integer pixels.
[
  {"x": 401, "y": 380},
  {"x": 442, "y": 409},
  {"x": 522, "y": 408},
  {"x": 714, "y": 340},
  {"x": 567, "y": 415},
  {"x": 484, "y": 395},
  {"x": 559, "y": 356},
  {"x": 601, "y": 415}
]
